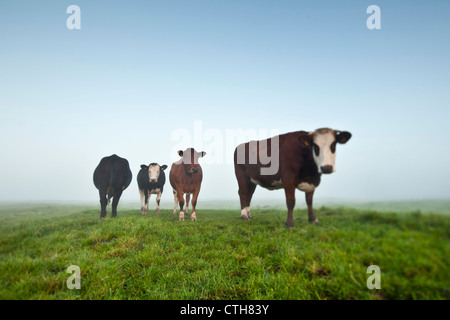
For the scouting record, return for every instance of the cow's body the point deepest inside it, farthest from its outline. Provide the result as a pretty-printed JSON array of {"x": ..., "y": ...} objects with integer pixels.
[
  {"x": 300, "y": 160},
  {"x": 111, "y": 177},
  {"x": 151, "y": 180},
  {"x": 186, "y": 178}
]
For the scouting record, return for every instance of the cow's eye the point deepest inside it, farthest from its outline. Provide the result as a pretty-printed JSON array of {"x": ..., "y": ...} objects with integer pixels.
[
  {"x": 316, "y": 149},
  {"x": 333, "y": 147}
]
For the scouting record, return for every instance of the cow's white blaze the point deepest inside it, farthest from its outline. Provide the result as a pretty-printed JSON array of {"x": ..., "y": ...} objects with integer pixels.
[
  {"x": 325, "y": 157},
  {"x": 153, "y": 172}
]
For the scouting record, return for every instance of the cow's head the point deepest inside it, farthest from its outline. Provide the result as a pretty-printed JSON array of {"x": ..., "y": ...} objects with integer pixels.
[
  {"x": 190, "y": 159},
  {"x": 322, "y": 143},
  {"x": 154, "y": 170}
]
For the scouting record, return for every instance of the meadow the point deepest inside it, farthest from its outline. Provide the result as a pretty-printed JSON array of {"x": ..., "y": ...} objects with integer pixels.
[{"x": 220, "y": 256}]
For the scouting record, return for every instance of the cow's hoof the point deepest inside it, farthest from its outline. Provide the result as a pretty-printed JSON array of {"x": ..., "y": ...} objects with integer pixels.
[
  {"x": 157, "y": 210},
  {"x": 193, "y": 217},
  {"x": 315, "y": 221},
  {"x": 290, "y": 224},
  {"x": 175, "y": 213}
]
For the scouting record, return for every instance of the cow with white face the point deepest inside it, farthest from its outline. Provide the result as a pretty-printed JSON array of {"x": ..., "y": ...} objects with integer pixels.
[
  {"x": 302, "y": 157},
  {"x": 151, "y": 180},
  {"x": 324, "y": 147}
]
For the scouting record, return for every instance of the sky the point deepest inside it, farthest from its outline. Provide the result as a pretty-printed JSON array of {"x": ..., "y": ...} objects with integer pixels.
[{"x": 143, "y": 79}]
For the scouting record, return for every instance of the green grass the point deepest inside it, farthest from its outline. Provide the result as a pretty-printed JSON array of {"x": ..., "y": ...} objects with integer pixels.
[{"x": 220, "y": 256}]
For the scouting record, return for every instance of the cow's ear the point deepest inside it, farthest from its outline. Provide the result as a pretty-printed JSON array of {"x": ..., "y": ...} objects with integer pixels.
[
  {"x": 143, "y": 166},
  {"x": 343, "y": 136},
  {"x": 305, "y": 140},
  {"x": 201, "y": 154},
  {"x": 163, "y": 167},
  {"x": 180, "y": 153}
]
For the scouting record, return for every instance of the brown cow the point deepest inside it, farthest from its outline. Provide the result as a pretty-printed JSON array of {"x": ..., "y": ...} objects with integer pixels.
[
  {"x": 186, "y": 178},
  {"x": 297, "y": 161}
]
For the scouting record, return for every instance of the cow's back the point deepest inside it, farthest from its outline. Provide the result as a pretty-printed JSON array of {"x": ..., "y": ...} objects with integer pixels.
[{"x": 112, "y": 172}]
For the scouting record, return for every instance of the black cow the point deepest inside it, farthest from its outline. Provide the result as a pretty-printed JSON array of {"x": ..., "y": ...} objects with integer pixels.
[
  {"x": 151, "y": 180},
  {"x": 111, "y": 177}
]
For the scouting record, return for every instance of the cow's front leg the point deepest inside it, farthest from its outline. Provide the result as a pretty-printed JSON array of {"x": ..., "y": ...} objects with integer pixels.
[
  {"x": 290, "y": 202},
  {"x": 158, "y": 199},
  {"x": 309, "y": 201},
  {"x": 147, "y": 200},
  {"x": 181, "y": 202},
  {"x": 141, "y": 195},
  {"x": 194, "y": 204}
]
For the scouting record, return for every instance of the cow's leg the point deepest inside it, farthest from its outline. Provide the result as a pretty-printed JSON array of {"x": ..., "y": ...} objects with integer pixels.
[
  {"x": 115, "y": 202},
  {"x": 290, "y": 202},
  {"x": 309, "y": 201},
  {"x": 251, "y": 191},
  {"x": 158, "y": 199},
  {"x": 246, "y": 190},
  {"x": 188, "y": 198},
  {"x": 194, "y": 204},
  {"x": 147, "y": 200},
  {"x": 181, "y": 203},
  {"x": 103, "y": 203},
  {"x": 142, "y": 197},
  {"x": 175, "y": 201}
]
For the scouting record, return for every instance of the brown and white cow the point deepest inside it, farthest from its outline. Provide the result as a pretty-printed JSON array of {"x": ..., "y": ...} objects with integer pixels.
[
  {"x": 301, "y": 158},
  {"x": 186, "y": 178}
]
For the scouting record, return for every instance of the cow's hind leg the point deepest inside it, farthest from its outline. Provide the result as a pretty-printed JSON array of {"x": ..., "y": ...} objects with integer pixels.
[
  {"x": 188, "y": 198},
  {"x": 103, "y": 203},
  {"x": 175, "y": 200},
  {"x": 115, "y": 202},
  {"x": 309, "y": 201}
]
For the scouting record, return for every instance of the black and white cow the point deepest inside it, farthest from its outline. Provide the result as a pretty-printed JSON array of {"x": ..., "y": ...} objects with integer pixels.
[
  {"x": 301, "y": 158},
  {"x": 151, "y": 180}
]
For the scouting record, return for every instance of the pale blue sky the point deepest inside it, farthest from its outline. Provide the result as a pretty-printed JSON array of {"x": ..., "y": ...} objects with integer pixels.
[{"x": 139, "y": 70}]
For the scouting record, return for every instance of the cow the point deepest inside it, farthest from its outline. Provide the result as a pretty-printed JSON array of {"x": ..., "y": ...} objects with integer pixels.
[
  {"x": 151, "y": 180},
  {"x": 111, "y": 177},
  {"x": 301, "y": 157},
  {"x": 186, "y": 178}
]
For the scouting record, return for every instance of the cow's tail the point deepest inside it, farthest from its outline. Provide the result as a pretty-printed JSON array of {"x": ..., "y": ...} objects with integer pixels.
[{"x": 110, "y": 190}]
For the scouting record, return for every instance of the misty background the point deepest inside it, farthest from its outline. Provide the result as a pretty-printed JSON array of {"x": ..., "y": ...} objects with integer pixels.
[{"x": 138, "y": 73}]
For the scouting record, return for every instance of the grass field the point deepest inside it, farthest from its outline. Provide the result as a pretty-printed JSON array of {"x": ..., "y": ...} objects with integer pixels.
[{"x": 220, "y": 256}]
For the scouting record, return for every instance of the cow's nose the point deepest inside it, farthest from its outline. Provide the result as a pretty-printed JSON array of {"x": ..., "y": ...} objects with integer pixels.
[
  {"x": 152, "y": 180},
  {"x": 326, "y": 169},
  {"x": 195, "y": 170}
]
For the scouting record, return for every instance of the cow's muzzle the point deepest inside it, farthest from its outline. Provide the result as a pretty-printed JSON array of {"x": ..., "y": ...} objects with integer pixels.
[{"x": 326, "y": 169}]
